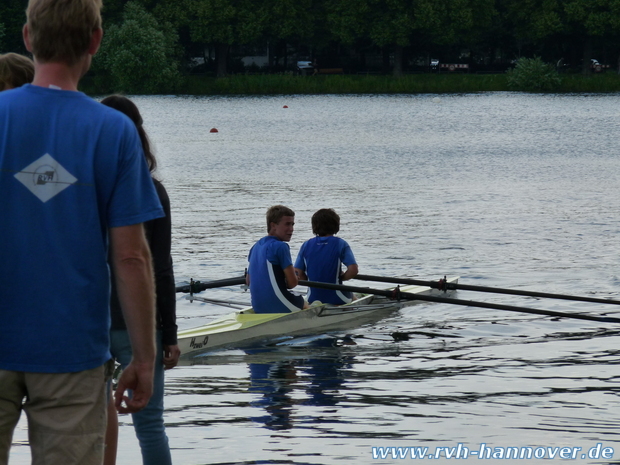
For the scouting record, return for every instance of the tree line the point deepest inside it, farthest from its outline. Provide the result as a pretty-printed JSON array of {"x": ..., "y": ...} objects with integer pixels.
[{"x": 149, "y": 45}]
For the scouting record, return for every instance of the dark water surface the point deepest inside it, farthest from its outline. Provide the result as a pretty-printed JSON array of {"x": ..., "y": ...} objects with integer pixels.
[{"x": 501, "y": 189}]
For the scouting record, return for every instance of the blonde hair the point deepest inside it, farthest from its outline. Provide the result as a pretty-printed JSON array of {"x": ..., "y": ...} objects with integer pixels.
[
  {"x": 15, "y": 70},
  {"x": 61, "y": 30}
]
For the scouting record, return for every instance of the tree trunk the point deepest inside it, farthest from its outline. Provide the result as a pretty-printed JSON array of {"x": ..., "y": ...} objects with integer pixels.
[
  {"x": 586, "y": 68},
  {"x": 221, "y": 60},
  {"x": 386, "y": 59},
  {"x": 398, "y": 60}
]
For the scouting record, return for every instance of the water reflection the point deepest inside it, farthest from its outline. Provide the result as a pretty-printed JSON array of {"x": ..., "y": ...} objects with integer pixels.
[
  {"x": 278, "y": 382},
  {"x": 273, "y": 381}
]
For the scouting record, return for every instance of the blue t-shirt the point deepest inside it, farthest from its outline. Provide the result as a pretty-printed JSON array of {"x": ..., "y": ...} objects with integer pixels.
[
  {"x": 321, "y": 259},
  {"x": 268, "y": 258},
  {"x": 70, "y": 169}
]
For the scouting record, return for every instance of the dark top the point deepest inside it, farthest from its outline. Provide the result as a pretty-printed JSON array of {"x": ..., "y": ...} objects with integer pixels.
[{"x": 158, "y": 234}]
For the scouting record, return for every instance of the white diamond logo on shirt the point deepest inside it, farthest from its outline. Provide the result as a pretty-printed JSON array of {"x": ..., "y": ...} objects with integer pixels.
[{"x": 45, "y": 178}]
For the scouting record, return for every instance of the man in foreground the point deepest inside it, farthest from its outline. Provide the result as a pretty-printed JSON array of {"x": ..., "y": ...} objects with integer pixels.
[
  {"x": 271, "y": 272},
  {"x": 72, "y": 179}
]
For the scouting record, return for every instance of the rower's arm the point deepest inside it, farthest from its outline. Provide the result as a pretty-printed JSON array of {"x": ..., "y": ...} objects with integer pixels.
[
  {"x": 301, "y": 274},
  {"x": 351, "y": 273},
  {"x": 290, "y": 276}
]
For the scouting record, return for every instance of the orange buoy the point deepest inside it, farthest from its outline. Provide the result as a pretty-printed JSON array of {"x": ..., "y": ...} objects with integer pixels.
[{"x": 213, "y": 130}]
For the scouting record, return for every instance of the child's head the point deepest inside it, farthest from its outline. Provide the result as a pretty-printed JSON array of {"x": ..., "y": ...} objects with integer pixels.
[
  {"x": 15, "y": 71},
  {"x": 325, "y": 222},
  {"x": 280, "y": 222},
  {"x": 276, "y": 213},
  {"x": 61, "y": 30}
]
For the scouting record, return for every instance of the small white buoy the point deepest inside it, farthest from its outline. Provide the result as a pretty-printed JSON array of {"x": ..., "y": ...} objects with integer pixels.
[{"x": 436, "y": 99}]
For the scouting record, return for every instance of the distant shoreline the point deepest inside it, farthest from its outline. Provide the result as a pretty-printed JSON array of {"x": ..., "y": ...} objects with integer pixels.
[{"x": 269, "y": 84}]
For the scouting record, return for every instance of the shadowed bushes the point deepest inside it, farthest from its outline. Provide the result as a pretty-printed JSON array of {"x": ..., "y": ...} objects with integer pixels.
[{"x": 533, "y": 75}]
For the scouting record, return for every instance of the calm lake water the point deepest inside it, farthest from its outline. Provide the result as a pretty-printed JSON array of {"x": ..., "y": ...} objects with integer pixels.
[{"x": 507, "y": 190}]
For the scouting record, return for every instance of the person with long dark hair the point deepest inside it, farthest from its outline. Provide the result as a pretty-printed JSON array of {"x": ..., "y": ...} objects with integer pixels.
[{"x": 149, "y": 422}]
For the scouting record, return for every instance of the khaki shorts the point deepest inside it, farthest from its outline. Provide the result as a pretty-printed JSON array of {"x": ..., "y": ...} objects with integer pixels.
[{"x": 66, "y": 414}]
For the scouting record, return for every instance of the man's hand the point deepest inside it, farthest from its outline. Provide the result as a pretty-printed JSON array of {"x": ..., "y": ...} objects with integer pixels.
[
  {"x": 138, "y": 378},
  {"x": 133, "y": 271},
  {"x": 171, "y": 356}
]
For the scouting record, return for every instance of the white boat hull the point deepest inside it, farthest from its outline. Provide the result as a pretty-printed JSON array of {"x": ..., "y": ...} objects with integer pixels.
[{"x": 245, "y": 328}]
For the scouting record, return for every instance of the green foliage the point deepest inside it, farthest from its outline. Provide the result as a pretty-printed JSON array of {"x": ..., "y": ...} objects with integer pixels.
[
  {"x": 533, "y": 75},
  {"x": 460, "y": 21},
  {"x": 227, "y": 22},
  {"x": 348, "y": 20},
  {"x": 358, "y": 35},
  {"x": 139, "y": 55},
  {"x": 288, "y": 19},
  {"x": 12, "y": 17}
]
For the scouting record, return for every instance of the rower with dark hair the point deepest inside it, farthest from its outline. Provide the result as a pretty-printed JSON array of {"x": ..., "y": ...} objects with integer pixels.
[{"x": 321, "y": 258}]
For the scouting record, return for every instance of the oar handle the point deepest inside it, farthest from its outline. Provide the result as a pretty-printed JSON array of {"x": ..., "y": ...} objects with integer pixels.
[
  {"x": 197, "y": 286},
  {"x": 441, "y": 284}
]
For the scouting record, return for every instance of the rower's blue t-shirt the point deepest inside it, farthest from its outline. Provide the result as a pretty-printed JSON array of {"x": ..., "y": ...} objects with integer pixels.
[
  {"x": 321, "y": 259},
  {"x": 268, "y": 259},
  {"x": 70, "y": 169}
]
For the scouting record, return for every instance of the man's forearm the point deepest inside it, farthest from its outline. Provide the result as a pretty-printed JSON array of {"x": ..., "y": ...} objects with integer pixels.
[
  {"x": 136, "y": 293},
  {"x": 135, "y": 287}
]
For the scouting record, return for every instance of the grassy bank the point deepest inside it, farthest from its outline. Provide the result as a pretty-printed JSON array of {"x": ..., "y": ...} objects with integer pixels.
[
  {"x": 606, "y": 82},
  {"x": 370, "y": 84},
  {"x": 345, "y": 84}
]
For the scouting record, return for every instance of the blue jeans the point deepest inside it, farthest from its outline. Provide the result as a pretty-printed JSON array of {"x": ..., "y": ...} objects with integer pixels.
[{"x": 148, "y": 422}]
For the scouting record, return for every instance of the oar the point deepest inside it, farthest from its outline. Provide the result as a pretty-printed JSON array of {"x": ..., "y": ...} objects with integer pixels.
[
  {"x": 396, "y": 294},
  {"x": 197, "y": 286},
  {"x": 497, "y": 290},
  {"x": 223, "y": 303}
]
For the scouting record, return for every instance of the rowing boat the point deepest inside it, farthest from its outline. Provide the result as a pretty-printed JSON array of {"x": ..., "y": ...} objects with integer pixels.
[{"x": 245, "y": 328}]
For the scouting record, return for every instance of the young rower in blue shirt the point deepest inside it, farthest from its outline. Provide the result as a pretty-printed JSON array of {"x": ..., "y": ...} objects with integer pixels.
[
  {"x": 270, "y": 271},
  {"x": 321, "y": 258}
]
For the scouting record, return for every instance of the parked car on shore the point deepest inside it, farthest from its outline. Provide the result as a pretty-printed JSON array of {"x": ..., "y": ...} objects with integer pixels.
[
  {"x": 305, "y": 67},
  {"x": 595, "y": 66}
]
